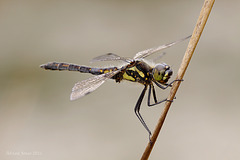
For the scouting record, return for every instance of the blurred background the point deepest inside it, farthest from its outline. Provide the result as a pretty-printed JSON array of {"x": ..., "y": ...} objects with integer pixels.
[{"x": 37, "y": 119}]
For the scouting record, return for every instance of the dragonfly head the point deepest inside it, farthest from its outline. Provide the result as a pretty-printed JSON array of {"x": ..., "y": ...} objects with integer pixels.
[{"x": 162, "y": 72}]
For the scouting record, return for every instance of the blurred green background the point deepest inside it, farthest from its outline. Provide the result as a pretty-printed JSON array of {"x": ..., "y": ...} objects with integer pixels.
[{"x": 37, "y": 119}]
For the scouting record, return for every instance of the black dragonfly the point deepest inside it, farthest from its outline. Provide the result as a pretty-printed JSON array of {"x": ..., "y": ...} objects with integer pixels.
[{"x": 136, "y": 70}]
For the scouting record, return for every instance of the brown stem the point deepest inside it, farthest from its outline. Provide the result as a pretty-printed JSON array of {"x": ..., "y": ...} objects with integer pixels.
[{"x": 202, "y": 19}]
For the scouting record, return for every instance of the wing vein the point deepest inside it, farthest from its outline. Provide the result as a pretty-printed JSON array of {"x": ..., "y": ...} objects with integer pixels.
[
  {"x": 85, "y": 87},
  {"x": 148, "y": 52}
]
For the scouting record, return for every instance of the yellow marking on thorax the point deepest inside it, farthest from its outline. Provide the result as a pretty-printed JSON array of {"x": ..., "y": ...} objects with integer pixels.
[
  {"x": 137, "y": 70},
  {"x": 133, "y": 77},
  {"x": 127, "y": 77},
  {"x": 140, "y": 73}
]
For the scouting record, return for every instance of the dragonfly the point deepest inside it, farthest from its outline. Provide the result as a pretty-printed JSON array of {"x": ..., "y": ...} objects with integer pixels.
[{"x": 135, "y": 70}]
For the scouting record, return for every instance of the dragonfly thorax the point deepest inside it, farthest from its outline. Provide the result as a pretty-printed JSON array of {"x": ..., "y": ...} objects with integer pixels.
[{"x": 162, "y": 72}]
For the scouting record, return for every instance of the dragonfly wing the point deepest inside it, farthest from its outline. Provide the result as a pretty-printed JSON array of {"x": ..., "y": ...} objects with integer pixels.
[
  {"x": 109, "y": 57},
  {"x": 150, "y": 51},
  {"x": 85, "y": 87}
]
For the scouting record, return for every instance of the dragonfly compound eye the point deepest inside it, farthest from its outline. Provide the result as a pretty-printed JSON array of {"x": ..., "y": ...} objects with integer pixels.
[
  {"x": 158, "y": 72},
  {"x": 162, "y": 72}
]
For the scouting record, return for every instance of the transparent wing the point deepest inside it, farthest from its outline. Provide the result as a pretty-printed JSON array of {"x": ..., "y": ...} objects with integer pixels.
[
  {"x": 85, "y": 87},
  {"x": 110, "y": 57},
  {"x": 155, "y": 60},
  {"x": 150, "y": 51}
]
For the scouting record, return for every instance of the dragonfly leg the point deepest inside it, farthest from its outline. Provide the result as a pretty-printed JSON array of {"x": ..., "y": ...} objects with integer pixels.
[
  {"x": 137, "y": 109},
  {"x": 166, "y": 85},
  {"x": 151, "y": 87},
  {"x": 154, "y": 93}
]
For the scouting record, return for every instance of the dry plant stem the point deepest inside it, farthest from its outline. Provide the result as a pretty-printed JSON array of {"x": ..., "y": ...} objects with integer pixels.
[{"x": 205, "y": 11}]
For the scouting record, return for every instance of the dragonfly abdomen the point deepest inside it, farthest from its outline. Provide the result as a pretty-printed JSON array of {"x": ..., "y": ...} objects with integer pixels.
[
  {"x": 61, "y": 66},
  {"x": 74, "y": 67},
  {"x": 97, "y": 71}
]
